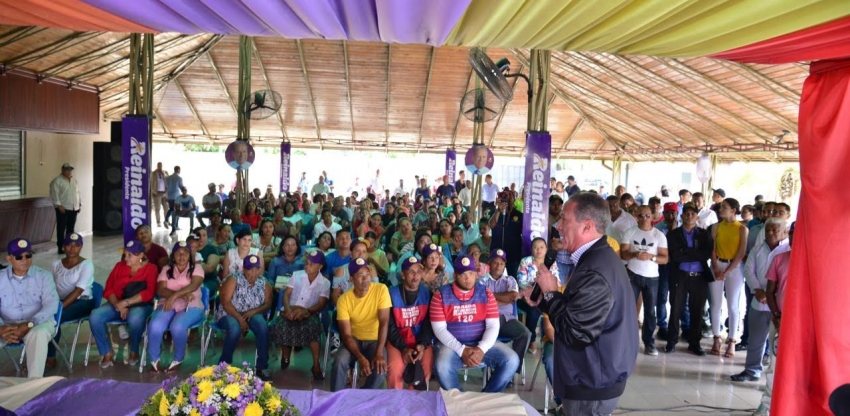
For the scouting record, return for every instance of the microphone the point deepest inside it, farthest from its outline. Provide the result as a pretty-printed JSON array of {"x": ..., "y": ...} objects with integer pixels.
[{"x": 548, "y": 261}]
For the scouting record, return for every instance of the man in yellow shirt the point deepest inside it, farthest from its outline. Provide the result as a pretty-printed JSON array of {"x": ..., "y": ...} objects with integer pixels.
[{"x": 363, "y": 314}]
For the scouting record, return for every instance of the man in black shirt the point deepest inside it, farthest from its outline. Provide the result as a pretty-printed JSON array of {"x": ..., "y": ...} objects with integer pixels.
[
  {"x": 506, "y": 226},
  {"x": 572, "y": 189},
  {"x": 409, "y": 331}
]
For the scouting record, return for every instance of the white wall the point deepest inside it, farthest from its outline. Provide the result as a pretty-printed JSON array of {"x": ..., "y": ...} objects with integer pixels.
[{"x": 45, "y": 154}]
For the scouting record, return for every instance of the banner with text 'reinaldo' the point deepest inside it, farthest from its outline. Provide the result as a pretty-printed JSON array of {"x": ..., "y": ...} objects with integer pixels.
[
  {"x": 135, "y": 174},
  {"x": 535, "y": 218},
  {"x": 285, "y": 155},
  {"x": 451, "y": 165}
]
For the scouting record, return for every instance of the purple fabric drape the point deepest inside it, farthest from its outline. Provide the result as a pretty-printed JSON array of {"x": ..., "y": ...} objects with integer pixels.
[
  {"x": 401, "y": 21},
  {"x": 82, "y": 396}
]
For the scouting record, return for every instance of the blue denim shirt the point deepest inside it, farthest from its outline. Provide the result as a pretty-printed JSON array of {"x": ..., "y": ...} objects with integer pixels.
[
  {"x": 32, "y": 298},
  {"x": 280, "y": 267}
]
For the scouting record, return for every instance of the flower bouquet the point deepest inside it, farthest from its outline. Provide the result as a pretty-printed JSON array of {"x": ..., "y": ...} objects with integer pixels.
[{"x": 218, "y": 390}]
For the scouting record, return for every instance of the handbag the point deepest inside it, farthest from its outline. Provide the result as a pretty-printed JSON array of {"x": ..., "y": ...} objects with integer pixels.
[{"x": 133, "y": 289}]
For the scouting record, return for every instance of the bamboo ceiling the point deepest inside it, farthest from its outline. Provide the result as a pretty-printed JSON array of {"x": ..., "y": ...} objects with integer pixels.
[{"x": 397, "y": 97}]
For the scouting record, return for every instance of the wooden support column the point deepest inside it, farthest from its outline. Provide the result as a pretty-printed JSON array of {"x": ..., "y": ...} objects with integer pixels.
[
  {"x": 616, "y": 167},
  {"x": 243, "y": 123}
]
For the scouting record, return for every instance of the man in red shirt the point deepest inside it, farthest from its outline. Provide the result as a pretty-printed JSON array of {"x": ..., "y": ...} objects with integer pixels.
[{"x": 465, "y": 320}]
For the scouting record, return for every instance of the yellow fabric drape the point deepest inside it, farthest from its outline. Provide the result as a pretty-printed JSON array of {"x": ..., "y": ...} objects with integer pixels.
[{"x": 674, "y": 28}]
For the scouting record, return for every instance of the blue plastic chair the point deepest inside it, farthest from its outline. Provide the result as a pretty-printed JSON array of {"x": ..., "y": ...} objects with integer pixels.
[
  {"x": 213, "y": 326},
  {"x": 96, "y": 299},
  {"x": 20, "y": 345},
  {"x": 205, "y": 300},
  {"x": 114, "y": 322}
]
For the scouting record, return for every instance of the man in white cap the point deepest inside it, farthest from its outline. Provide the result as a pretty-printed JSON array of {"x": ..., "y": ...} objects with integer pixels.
[
  {"x": 65, "y": 194},
  {"x": 28, "y": 305}
]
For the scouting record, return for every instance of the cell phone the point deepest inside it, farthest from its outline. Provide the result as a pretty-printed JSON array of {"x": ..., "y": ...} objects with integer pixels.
[{"x": 548, "y": 261}]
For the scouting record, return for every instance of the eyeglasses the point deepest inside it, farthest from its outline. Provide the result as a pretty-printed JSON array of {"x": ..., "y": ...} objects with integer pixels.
[
  {"x": 645, "y": 216},
  {"x": 778, "y": 212},
  {"x": 23, "y": 256}
]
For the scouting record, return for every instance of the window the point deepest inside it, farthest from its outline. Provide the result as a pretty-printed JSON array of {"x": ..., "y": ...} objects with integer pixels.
[{"x": 11, "y": 164}]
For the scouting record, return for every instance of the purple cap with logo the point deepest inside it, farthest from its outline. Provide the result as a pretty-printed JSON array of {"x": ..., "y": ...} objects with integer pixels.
[
  {"x": 410, "y": 262},
  {"x": 18, "y": 246},
  {"x": 428, "y": 249},
  {"x": 251, "y": 262},
  {"x": 316, "y": 257},
  {"x": 464, "y": 264},
  {"x": 74, "y": 238},
  {"x": 180, "y": 245},
  {"x": 498, "y": 254},
  {"x": 356, "y": 265},
  {"x": 134, "y": 247}
]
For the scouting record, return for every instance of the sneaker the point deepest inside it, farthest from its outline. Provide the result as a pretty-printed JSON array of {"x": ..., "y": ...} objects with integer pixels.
[
  {"x": 670, "y": 348},
  {"x": 745, "y": 376},
  {"x": 650, "y": 350},
  {"x": 264, "y": 374},
  {"x": 122, "y": 332},
  {"x": 334, "y": 343}
]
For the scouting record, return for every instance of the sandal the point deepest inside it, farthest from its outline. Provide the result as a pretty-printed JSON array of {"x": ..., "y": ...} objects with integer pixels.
[
  {"x": 715, "y": 348},
  {"x": 174, "y": 367},
  {"x": 317, "y": 375},
  {"x": 284, "y": 363},
  {"x": 730, "y": 349},
  {"x": 107, "y": 361},
  {"x": 155, "y": 366}
]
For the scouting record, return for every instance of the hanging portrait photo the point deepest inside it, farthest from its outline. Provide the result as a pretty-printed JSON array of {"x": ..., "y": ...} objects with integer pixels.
[
  {"x": 239, "y": 155},
  {"x": 479, "y": 160}
]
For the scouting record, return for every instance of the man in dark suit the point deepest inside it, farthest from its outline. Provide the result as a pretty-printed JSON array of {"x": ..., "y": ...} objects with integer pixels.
[
  {"x": 597, "y": 342},
  {"x": 689, "y": 248}
]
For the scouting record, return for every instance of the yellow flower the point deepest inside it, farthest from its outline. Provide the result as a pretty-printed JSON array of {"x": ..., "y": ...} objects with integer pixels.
[
  {"x": 273, "y": 404},
  {"x": 219, "y": 383},
  {"x": 232, "y": 370},
  {"x": 231, "y": 390},
  {"x": 267, "y": 386},
  {"x": 254, "y": 409},
  {"x": 163, "y": 406},
  {"x": 205, "y": 372},
  {"x": 179, "y": 400},
  {"x": 194, "y": 412},
  {"x": 204, "y": 390}
]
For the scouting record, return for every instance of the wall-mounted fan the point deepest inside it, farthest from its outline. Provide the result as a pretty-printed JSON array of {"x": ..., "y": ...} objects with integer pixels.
[
  {"x": 261, "y": 104},
  {"x": 494, "y": 74},
  {"x": 480, "y": 105}
]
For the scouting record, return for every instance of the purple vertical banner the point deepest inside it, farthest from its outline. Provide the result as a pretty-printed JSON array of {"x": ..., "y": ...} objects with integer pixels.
[
  {"x": 285, "y": 155},
  {"x": 451, "y": 165},
  {"x": 135, "y": 173},
  {"x": 535, "y": 218}
]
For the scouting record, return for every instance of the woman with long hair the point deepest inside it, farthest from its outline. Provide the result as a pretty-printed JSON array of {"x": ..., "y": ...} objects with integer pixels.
[
  {"x": 288, "y": 261},
  {"x": 389, "y": 215},
  {"x": 445, "y": 234},
  {"x": 180, "y": 306},
  {"x": 265, "y": 240},
  {"x": 128, "y": 293},
  {"x": 402, "y": 241},
  {"x": 223, "y": 241},
  {"x": 291, "y": 217},
  {"x": 251, "y": 216},
  {"x": 730, "y": 246},
  {"x": 326, "y": 242},
  {"x": 434, "y": 273}
]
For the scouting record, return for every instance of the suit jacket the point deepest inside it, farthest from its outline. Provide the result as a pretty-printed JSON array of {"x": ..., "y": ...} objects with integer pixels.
[{"x": 677, "y": 247}]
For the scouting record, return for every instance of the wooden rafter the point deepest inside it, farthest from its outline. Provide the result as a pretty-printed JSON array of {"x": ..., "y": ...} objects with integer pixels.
[
  {"x": 427, "y": 91},
  {"x": 42, "y": 52},
  {"x": 267, "y": 84},
  {"x": 309, "y": 91},
  {"x": 348, "y": 92},
  {"x": 572, "y": 134},
  {"x": 19, "y": 33},
  {"x": 221, "y": 82},
  {"x": 504, "y": 109},
  {"x": 737, "y": 96},
  {"x": 460, "y": 110},
  {"x": 191, "y": 107},
  {"x": 765, "y": 81},
  {"x": 160, "y": 121},
  {"x": 389, "y": 93}
]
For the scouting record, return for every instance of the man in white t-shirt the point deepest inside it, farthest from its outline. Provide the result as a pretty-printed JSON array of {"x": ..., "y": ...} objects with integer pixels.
[
  {"x": 706, "y": 217},
  {"x": 326, "y": 224},
  {"x": 377, "y": 186},
  {"x": 488, "y": 193},
  {"x": 645, "y": 247},
  {"x": 620, "y": 220}
]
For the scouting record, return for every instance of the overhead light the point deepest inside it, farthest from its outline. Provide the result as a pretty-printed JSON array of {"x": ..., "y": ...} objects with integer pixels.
[{"x": 778, "y": 138}]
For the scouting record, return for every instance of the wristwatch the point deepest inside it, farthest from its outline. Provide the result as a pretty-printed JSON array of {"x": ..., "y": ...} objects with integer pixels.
[
  {"x": 548, "y": 296},
  {"x": 654, "y": 258}
]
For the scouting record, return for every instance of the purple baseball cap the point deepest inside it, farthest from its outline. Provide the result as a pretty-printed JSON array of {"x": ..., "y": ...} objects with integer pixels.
[
  {"x": 74, "y": 238},
  {"x": 498, "y": 253},
  {"x": 428, "y": 249},
  {"x": 18, "y": 246},
  {"x": 316, "y": 257},
  {"x": 180, "y": 245},
  {"x": 410, "y": 262},
  {"x": 464, "y": 264},
  {"x": 356, "y": 265},
  {"x": 134, "y": 247},
  {"x": 251, "y": 262}
]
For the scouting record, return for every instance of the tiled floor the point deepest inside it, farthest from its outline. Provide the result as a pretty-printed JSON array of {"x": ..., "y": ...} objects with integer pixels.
[{"x": 658, "y": 382}]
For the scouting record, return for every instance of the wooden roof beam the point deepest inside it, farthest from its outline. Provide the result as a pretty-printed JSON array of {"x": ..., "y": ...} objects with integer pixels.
[
  {"x": 160, "y": 121},
  {"x": 765, "y": 81},
  {"x": 20, "y": 33},
  {"x": 572, "y": 134},
  {"x": 504, "y": 109},
  {"x": 268, "y": 85},
  {"x": 427, "y": 91},
  {"x": 743, "y": 99},
  {"x": 221, "y": 82},
  {"x": 40, "y": 53},
  {"x": 191, "y": 107},
  {"x": 348, "y": 92},
  {"x": 389, "y": 79},
  {"x": 460, "y": 109},
  {"x": 310, "y": 92}
]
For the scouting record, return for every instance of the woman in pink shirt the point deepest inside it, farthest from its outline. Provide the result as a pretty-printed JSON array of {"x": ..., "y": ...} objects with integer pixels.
[{"x": 180, "y": 307}]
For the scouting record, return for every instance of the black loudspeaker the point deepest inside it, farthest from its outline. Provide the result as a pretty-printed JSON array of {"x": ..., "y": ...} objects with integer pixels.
[{"x": 107, "y": 193}]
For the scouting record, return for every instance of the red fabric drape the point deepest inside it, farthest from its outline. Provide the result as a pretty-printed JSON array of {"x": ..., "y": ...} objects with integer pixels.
[
  {"x": 814, "y": 346},
  {"x": 825, "y": 41}
]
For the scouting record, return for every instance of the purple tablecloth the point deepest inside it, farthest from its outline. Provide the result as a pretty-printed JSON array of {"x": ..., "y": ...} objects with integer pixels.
[{"x": 83, "y": 396}]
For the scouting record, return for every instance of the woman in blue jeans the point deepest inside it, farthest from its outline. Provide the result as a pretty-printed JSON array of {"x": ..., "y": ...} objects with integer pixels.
[
  {"x": 74, "y": 276},
  {"x": 245, "y": 297},
  {"x": 180, "y": 307},
  {"x": 128, "y": 293}
]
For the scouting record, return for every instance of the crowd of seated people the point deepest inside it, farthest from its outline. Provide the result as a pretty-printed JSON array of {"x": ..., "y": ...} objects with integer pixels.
[{"x": 406, "y": 289}]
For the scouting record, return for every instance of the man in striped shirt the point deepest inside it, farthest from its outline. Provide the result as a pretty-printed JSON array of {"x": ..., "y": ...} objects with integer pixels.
[{"x": 465, "y": 320}]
